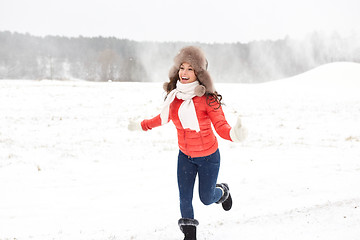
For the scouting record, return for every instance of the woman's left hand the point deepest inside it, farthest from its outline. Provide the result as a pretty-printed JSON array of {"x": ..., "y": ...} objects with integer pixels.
[{"x": 238, "y": 133}]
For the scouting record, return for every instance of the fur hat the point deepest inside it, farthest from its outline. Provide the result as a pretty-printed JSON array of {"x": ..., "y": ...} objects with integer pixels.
[{"x": 196, "y": 58}]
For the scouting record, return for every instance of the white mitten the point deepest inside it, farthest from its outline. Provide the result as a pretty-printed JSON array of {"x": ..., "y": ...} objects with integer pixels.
[
  {"x": 134, "y": 125},
  {"x": 238, "y": 133}
]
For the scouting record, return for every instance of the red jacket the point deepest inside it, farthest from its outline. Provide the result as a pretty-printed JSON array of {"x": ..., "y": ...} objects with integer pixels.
[{"x": 192, "y": 143}]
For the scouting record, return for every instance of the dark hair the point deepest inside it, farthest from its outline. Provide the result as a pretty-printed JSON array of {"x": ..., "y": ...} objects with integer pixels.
[
  {"x": 214, "y": 99},
  {"x": 171, "y": 85}
]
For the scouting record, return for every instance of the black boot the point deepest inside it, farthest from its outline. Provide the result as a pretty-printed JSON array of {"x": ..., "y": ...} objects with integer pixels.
[
  {"x": 226, "y": 199},
  {"x": 188, "y": 227}
]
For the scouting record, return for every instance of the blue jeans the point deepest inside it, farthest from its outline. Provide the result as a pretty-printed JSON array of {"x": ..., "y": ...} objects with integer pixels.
[{"x": 207, "y": 168}]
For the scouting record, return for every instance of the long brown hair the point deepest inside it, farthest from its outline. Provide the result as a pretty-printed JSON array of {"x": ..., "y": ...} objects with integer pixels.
[
  {"x": 169, "y": 86},
  {"x": 214, "y": 99}
]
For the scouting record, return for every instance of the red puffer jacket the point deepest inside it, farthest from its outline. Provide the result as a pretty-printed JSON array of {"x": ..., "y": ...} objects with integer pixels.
[{"x": 192, "y": 143}]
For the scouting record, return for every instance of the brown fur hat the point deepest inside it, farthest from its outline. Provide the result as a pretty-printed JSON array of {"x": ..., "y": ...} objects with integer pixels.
[{"x": 196, "y": 58}]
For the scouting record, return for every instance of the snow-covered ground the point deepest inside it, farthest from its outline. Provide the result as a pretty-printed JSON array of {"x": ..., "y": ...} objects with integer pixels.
[{"x": 70, "y": 169}]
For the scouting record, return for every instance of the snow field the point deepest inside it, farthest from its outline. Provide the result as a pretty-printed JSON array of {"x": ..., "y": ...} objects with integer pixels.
[{"x": 70, "y": 169}]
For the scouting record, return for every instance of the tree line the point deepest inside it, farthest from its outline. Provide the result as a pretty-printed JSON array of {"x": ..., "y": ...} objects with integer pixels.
[{"x": 24, "y": 56}]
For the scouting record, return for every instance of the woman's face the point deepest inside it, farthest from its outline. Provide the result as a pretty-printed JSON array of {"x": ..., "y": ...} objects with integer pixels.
[{"x": 187, "y": 73}]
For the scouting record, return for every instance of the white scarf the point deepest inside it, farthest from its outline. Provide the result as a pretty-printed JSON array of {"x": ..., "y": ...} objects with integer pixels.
[{"x": 187, "y": 113}]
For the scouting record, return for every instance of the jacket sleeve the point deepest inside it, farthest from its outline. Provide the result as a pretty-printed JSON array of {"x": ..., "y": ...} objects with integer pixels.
[
  {"x": 218, "y": 119},
  {"x": 149, "y": 124}
]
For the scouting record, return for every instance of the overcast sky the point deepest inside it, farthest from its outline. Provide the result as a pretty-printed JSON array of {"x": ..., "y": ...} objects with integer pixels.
[{"x": 168, "y": 20}]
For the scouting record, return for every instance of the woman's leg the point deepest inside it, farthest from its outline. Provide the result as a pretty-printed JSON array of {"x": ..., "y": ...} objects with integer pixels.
[
  {"x": 186, "y": 174},
  {"x": 208, "y": 173}
]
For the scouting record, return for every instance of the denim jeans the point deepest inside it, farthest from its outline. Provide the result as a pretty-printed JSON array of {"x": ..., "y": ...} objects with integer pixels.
[{"x": 207, "y": 168}]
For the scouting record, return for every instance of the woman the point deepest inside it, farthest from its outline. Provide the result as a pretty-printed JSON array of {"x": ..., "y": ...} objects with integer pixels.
[{"x": 193, "y": 104}]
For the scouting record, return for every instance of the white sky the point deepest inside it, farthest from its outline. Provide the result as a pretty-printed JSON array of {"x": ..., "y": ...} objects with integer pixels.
[{"x": 169, "y": 20}]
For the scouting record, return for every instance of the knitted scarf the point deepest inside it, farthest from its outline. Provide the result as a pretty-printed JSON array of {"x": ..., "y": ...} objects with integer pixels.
[{"x": 187, "y": 113}]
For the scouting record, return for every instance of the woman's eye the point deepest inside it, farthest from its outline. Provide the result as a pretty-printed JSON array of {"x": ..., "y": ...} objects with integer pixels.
[{"x": 190, "y": 69}]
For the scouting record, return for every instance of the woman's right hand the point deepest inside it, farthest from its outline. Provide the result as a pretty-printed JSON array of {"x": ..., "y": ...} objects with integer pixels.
[{"x": 134, "y": 125}]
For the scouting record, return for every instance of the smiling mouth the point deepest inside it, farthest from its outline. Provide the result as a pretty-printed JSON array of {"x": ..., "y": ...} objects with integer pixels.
[{"x": 185, "y": 78}]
